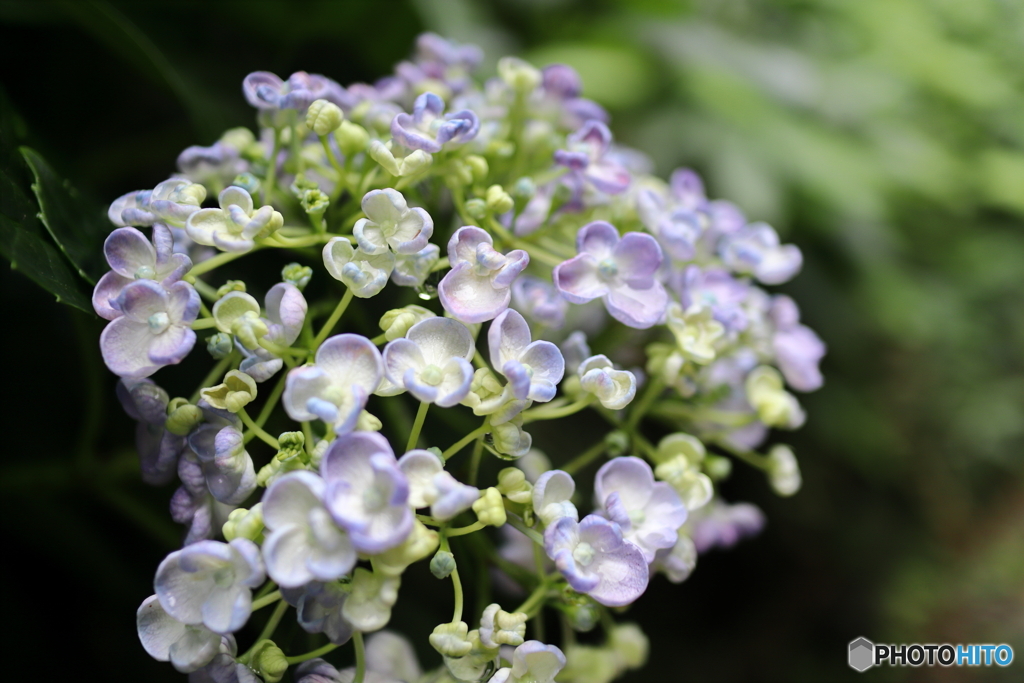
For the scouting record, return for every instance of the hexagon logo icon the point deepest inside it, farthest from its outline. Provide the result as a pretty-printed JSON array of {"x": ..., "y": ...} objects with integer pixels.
[{"x": 862, "y": 654}]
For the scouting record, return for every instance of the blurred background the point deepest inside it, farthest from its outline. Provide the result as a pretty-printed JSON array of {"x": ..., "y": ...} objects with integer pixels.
[{"x": 884, "y": 137}]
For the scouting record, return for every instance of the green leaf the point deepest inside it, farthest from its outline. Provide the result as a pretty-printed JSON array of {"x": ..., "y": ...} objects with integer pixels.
[
  {"x": 42, "y": 263},
  {"x": 76, "y": 225}
]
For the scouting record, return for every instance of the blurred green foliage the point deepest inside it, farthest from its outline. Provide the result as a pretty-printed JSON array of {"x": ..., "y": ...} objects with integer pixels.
[{"x": 885, "y": 137}]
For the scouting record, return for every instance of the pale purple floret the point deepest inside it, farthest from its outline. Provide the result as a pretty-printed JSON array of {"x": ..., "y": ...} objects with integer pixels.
[
  {"x": 532, "y": 662},
  {"x": 219, "y": 163},
  {"x": 225, "y": 668},
  {"x": 586, "y": 159},
  {"x": 437, "y": 55},
  {"x": 429, "y": 129},
  {"x": 171, "y": 202},
  {"x": 412, "y": 270},
  {"x": 595, "y": 559},
  {"x": 285, "y": 309},
  {"x": 722, "y": 525},
  {"x": 430, "y": 484},
  {"x": 132, "y": 257},
  {"x": 620, "y": 271},
  {"x": 347, "y": 369},
  {"x": 755, "y": 249},
  {"x": 158, "y": 448},
  {"x": 318, "y": 609},
  {"x": 552, "y": 496},
  {"x": 561, "y": 87},
  {"x": 798, "y": 350},
  {"x": 390, "y": 223},
  {"x": 320, "y": 671},
  {"x": 650, "y": 513},
  {"x": 303, "y": 543},
  {"x": 533, "y": 368},
  {"x": 477, "y": 288},
  {"x": 538, "y": 300},
  {"x": 575, "y": 350},
  {"x": 432, "y": 361},
  {"x": 536, "y": 211},
  {"x": 367, "y": 494},
  {"x": 188, "y": 647},
  {"x": 196, "y": 508},
  {"x": 211, "y": 583},
  {"x": 717, "y": 289},
  {"x": 678, "y": 228},
  {"x": 154, "y": 328},
  {"x": 265, "y": 90},
  {"x": 226, "y": 465}
]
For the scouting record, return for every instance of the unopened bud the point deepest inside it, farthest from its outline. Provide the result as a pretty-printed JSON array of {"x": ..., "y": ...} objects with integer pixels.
[
  {"x": 524, "y": 188},
  {"x": 248, "y": 182},
  {"x": 617, "y": 442},
  {"x": 315, "y": 202},
  {"x": 219, "y": 345},
  {"x": 513, "y": 485},
  {"x": 269, "y": 661},
  {"x": 442, "y": 564},
  {"x": 182, "y": 416},
  {"x": 490, "y": 509},
  {"x": 451, "y": 639},
  {"x": 297, "y": 275},
  {"x": 498, "y": 201},
  {"x": 717, "y": 467},
  {"x": 520, "y": 75},
  {"x": 236, "y": 392},
  {"x": 230, "y": 286},
  {"x": 244, "y": 523},
  {"x": 476, "y": 208},
  {"x": 324, "y": 117},
  {"x": 478, "y": 166},
  {"x": 352, "y": 138}
]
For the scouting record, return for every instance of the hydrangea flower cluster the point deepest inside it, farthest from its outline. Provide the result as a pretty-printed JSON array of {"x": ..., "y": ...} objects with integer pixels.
[{"x": 552, "y": 229}]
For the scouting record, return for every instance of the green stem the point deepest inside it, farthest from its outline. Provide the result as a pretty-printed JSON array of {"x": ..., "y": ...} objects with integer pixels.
[
  {"x": 205, "y": 290},
  {"x": 585, "y": 458},
  {"x": 517, "y": 523},
  {"x": 654, "y": 388},
  {"x": 417, "y": 426},
  {"x": 268, "y": 185},
  {"x": 256, "y": 430},
  {"x": 465, "y": 441},
  {"x": 553, "y": 414},
  {"x": 379, "y": 339},
  {"x": 216, "y": 373},
  {"x": 272, "y": 623},
  {"x": 279, "y": 350},
  {"x": 319, "y": 652},
  {"x": 749, "y": 457},
  {"x": 266, "y": 600},
  {"x": 357, "y": 640},
  {"x": 535, "y": 598},
  {"x": 218, "y": 261},
  {"x": 474, "y": 460},
  {"x": 333, "y": 320},
  {"x": 279, "y": 240},
  {"x": 461, "y": 531},
  {"x": 456, "y": 581},
  {"x": 204, "y": 324},
  {"x": 272, "y": 400}
]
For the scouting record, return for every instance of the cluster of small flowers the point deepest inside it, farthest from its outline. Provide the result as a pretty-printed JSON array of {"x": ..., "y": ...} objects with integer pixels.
[{"x": 544, "y": 211}]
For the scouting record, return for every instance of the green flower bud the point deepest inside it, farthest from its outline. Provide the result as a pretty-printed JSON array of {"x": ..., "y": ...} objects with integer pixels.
[
  {"x": 583, "y": 616},
  {"x": 442, "y": 564},
  {"x": 511, "y": 441},
  {"x": 236, "y": 392},
  {"x": 182, "y": 416},
  {"x": 297, "y": 275},
  {"x": 367, "y": 422},
  {"x": 420, "y": 542},
  {"x": 290, "y": 456},
  {"x": 784, "y": 471},
  {"x": 324, "y": 117},
  {"x": 268, "y": 661},
  {"x": 352, "y": 138},
  {"x": 524, "y": 188},
  {"x": 219, "y": 345},
  {"x": 490, "y": 509},
  {"x": 460, "y": 171},
  {"x": 499, "y": 201},
  {"x": 630, "y": 645},
  {"x": 717, "y": 467},
  {"x": 244, "y": 523},
  {"x": 230, "y": 286},
  {"x": 248, "y": 182},
  {"x": 513, "y": 485},
  {"x": 617, "y": 442},
  {"x": 775, "y": 406},
  {"x": 477, "y": 208},
  {"x": 521, "y": 75},
  {"x": 239, "y": 138},
  {"x": 396, "y": 322},
  {"x": 238, "y": 313},
  {"x": 315, "y": 202},
  {"x": 478, "y": 166},
  {"x": 451, "y": 639}
]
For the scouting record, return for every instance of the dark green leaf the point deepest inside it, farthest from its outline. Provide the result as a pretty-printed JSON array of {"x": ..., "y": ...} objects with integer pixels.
[
  {"x": 76, "y": 225},
  {"x": 42, "y": 263}
]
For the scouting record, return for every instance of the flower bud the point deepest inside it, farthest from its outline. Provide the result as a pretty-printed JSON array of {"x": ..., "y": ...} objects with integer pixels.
[
  {"x": 775, "y": 406},
  {"x": 291, "y": 455},
  {"x": 314, "y": 202},
  {"x": 352, "y": 138},
  {"x": 499, "y": 201},
  {"x": 584, "y": 616},
  {"x": 230, "y": 286},
  {"x": 420, "y": 542},
  {"x": 717, "y": 467},
  {"x": 451, "y": 639},
  {"x": 367, "y": 422},
  {"x": 784, "y": 471},
  {"x": 236, "y": 392},
  {"x": 442, "y": 564},
  {"x": 520, "y": 75},
  {"x": 616, "y": 442},
  {"x": 478, "y": 166},
  {"x": 511, "y": 441},
  {"x": 182, "y": 416},
  {"x": 490, "y": 509},
  {"x": 219, "y": 345},
  {"x": 324, "y": 117},
  {"x": 498, "y": 627},
  {"x": 460, "y": 172},
  {"x": 524, "y": 188},
  {"x": 244, "y": 523},
  {"x": 248, "y": 182},
  {"x": 630, "y": 645},
  {"x": 297, "y": 275},
  {"x": 238, "y": 313},
  {"x": 396, "y": 322},
  {"x": 268, "y": 661},
  {"x": 513, "y": 485},
  {"x": 477, "y": 208}
]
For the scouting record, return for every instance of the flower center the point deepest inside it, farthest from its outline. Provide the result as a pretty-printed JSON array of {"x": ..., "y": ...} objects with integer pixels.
[
  {"x": 145, "y": 273},
  {"x": 432, "y": 375},
  {"x": 158, "y": 322},
  {"x": 373, "y": 499},
  {"x": 637, "y": 517},
  {"x": 608, "y": 269},
  {"x": 583, "y": 554}
]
